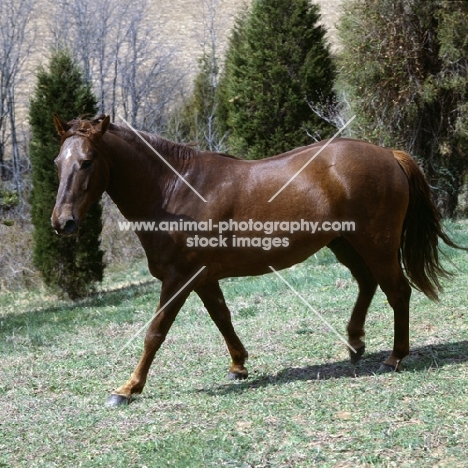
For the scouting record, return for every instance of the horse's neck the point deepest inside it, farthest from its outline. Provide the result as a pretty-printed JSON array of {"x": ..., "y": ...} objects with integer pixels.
[{"x": 138, "y": 183}]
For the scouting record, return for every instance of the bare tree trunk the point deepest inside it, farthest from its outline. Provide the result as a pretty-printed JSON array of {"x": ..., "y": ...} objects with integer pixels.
[
  {"x": 214, "y": 139},
  {"x": 15, "y": 43}
]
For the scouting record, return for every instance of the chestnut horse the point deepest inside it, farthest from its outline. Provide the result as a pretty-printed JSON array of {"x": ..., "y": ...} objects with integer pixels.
[{"x": 383, "y": 192}]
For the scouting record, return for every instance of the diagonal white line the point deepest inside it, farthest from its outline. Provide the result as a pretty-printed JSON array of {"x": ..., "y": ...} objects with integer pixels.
[
  {"x": 313, "y": 310},
  {"x": 162, "y": 159},
  {"x": 161, "y": 309},
  {"x": 311, "y": 159}
]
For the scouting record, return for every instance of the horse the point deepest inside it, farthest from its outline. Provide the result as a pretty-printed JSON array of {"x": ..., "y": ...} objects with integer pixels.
[{"x": 381, "y": 191}]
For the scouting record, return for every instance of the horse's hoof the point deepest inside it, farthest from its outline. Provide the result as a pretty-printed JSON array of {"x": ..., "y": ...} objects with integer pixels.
[
  {"x": 237, "y": 375},
  {"x": 387, "y": 368},
  {"x": 356, "y": 356},
  {"x": 117, "y": 400}
]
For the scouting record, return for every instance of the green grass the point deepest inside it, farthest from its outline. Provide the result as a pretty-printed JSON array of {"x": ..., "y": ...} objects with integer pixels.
[{"x": 303, "y": 405}]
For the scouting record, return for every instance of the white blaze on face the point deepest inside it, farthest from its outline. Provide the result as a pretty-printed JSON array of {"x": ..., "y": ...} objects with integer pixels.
[{"x": 68, "y": 153}]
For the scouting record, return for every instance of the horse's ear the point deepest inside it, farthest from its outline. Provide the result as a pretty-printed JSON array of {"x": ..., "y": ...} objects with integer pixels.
[
  {"x": 103, "y": 125},
  {"x": 61, "y": 126}
]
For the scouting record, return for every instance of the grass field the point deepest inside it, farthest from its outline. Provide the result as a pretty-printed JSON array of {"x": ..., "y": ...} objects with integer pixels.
[{"x": 304, "y": 405}]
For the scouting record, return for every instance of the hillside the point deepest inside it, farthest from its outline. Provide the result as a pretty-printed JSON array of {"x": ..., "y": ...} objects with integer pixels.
[
  {"x": 182, "y": 22},
  {"x": 179, "y": 23}
]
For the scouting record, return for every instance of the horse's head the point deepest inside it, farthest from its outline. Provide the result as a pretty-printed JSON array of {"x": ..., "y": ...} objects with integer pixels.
[{"x": 82, "y": 169}]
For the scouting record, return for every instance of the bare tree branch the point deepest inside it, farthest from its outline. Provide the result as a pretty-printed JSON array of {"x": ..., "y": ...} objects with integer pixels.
[{"x": 16, "y": 40}]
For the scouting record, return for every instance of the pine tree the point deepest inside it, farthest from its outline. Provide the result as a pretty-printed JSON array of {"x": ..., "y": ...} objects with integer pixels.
[
  {"x": 404, "y": 70},
  {"x": 276, "y": 64},
  {"x": 72, "y": 264}
]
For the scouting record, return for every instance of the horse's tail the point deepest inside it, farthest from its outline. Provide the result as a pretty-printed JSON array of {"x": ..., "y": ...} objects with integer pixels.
[{"x": 422, "y": 229}]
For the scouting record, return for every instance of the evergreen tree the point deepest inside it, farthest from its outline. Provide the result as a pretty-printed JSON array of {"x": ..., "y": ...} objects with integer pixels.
[
  {"x": 276, "y": 64},
  {"x": 73, "y": 264},
  {"x": 404, "y": 70}
]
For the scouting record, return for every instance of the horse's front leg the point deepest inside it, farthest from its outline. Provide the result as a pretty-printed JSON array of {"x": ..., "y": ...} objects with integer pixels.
[{"x": 171, "y": 300}]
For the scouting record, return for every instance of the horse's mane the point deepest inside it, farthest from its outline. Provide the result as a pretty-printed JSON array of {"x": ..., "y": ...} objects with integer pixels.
[
  {"x": 175, "y": 150},
  {"x": 123, "y": 131}
]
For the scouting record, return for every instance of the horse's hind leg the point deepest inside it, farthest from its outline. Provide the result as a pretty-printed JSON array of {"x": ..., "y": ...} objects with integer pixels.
[
  {"x": 347, "y": 255},
  {"x": 396, "y": 287},
  {"x": 382, "y": 260},
  {"x": 213, "y": 299}
]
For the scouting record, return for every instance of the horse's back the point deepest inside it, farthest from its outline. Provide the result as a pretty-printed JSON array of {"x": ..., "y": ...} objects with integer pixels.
[{"x": 352, "y": 172}]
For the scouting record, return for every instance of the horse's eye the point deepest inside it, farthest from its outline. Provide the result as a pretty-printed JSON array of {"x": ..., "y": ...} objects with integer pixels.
[{"x": 86, "y": 164}]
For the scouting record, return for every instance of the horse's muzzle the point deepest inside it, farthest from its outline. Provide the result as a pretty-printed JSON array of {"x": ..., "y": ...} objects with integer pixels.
[{"x": 65, "y": 224}]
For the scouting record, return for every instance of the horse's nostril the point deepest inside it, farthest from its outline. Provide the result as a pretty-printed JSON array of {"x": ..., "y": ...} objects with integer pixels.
[{"x": 70, "y": 226}]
